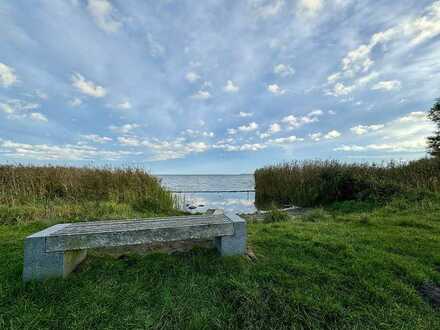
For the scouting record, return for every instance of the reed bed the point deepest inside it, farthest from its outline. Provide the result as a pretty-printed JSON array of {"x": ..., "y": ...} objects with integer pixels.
[
  {"x": 315, "y": 183},
  {"x": 28, "y": 192}
]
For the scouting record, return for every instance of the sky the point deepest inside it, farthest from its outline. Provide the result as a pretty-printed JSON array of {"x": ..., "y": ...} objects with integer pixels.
[{"x": 184, "y": 87}]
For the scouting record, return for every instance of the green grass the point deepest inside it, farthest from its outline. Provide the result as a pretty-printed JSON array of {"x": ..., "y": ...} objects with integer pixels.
[{"x": 337, "y": 268}]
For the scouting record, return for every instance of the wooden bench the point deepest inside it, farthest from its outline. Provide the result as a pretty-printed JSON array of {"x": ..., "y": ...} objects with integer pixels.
[{"x": 56, "y": 251}]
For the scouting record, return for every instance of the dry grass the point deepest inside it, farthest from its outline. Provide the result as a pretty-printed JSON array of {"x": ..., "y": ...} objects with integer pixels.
[
  {"x": 30, "y": 193},
  {"x": 314, "y": 183}
]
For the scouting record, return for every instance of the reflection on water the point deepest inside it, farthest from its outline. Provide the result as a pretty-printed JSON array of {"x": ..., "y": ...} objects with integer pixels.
[
  {"x": 237, "y": 202},
  {"x": 231, "y": 201}
]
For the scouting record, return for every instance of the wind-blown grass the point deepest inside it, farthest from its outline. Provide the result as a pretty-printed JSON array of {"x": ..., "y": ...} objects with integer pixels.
[
  {"x": 342, "y": 269},
  {"x": 314, "y": 183},
  {"x": 30, "y": 193}
]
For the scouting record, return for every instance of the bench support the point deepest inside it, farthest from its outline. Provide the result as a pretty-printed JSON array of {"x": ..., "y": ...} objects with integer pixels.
[
  {"x": 234, "y": 245},
  {"x": 40, "y": 265}
]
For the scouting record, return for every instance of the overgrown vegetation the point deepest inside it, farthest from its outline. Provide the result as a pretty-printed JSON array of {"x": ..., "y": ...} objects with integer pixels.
[
  {"x": 52, "y": 193},
  {"x": 340, "y": 269},
  {"x": 315, "y": 183},
  {"x": 276, "y": 216},
  {"x": 434, "y": 141}
]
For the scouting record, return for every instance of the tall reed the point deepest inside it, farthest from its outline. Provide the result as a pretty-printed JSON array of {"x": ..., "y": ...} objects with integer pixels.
[
  {"x": 42, "y": 187},
  {"x": 312, "y": 183}
]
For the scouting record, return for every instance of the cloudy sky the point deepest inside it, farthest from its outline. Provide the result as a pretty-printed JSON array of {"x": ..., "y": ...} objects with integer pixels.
[{"x": 179, "y": 86}]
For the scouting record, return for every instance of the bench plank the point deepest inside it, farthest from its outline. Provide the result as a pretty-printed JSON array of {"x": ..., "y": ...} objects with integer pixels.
[
  {"x": 134, "y": 225},
  {"x": 134, "y": 237}
]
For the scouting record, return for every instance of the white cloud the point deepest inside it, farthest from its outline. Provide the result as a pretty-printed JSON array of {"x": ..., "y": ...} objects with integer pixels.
[
  {"x": 7, "y": 108},
  {"x": 358, "y": 59},
  {"x": 129, "y": 141},
  {"x": 87, "y": 87},
  {"x": 174, "y": 149},
  {"x": 41, "y": 95},
  {"x": 231, "y": 87},
  {"x": 364, "y": 80},
  {"x": 124, "y": 129},
  {"x": 76, "y": 102},
  {"x": 407, "y": 133},
  {"x": 201, "y": 95},
  {"x": 387, "y": 85},
  {"x": 310, "y": 7},
  {"x": 315, "y": 113},
  {"x": 192, "y": 77},
  {"x": 417, "y": 145},
  {"x": 58, "y": 152},
  {"x": 286, "y": 140},
  {"x": 424, "y": 27},
  {"x": 232, "y": 131},
  {"x": 124, "y": 105},
  {"x": 37, "y": 116},
  {"x": 283, "y": 70},
  {"x": 273, "y": 129},
  {"x": 96, "y": 138},
  {"x": 331, "y": 112},
  {"x": 156, "y": 49},
  {"x": 245, "y": 114},
  {"x": 164, "y": 149},
  {"x": 334, "y": 77},
  {"x": 18, "y": 110},
  {"x": 197, "y": 133},
  {"x": 104, "y": 15},
  {"x": 248, "y": 128},
  {"x": 316, "y": 136},
  {"x": 417, "y": 116},
  {"x": 15, "y": 106},
  {"x": 294, "y": 122},
  {"x": 266, "y": 9},
  {"x": 275, "y": 89},
  {"x": 340, "y": 89},
  {"x": 399, "y": 39},
  {"x": 243, "y": 147},
  {"x": 7, "y": 75},
  {"x": 332, "y": 135},
  {"x": 363, "y": 129}
]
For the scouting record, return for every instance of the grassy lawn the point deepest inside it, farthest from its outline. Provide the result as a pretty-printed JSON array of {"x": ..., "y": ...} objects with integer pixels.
[{"x": 334, "y": 268}]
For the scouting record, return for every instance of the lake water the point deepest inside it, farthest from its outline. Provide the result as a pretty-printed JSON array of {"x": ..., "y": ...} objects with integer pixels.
[{"x": 209, "y": 191}]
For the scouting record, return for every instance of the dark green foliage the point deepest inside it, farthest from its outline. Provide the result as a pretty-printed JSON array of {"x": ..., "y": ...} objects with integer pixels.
[
  {"x": 30, "y": 193},
  {"x": 434, "y": 141},
  {"x": 314, "y": 183}
]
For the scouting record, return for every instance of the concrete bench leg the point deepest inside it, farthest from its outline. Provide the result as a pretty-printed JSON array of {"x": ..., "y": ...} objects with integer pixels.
[
  {"x": 234, "y": 245},
  {"x": 40, "y": 265}
]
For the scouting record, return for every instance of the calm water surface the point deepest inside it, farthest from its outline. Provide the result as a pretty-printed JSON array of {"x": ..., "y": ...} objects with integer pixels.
[{"x": 207, "y": 195}]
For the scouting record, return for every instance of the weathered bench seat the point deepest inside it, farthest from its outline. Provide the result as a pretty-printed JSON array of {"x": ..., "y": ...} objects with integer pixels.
[{"x": 56, "y": 251}]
